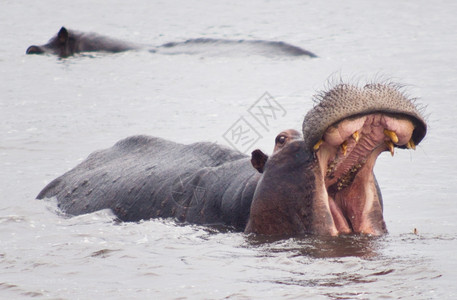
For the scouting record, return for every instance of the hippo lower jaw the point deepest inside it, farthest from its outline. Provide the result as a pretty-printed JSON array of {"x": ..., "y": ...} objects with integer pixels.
[{"x": 347, "y": 197}]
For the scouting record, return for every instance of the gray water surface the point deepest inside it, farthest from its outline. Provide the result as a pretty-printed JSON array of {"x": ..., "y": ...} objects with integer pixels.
[{"x": 55, "y": 112}]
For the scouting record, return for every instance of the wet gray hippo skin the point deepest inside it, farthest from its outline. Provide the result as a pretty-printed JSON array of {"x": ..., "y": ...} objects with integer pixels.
[
  {"x": 226, "y": 46},
  {"x": 69, "y": 42},
  {"x": 321, "y": 183}
]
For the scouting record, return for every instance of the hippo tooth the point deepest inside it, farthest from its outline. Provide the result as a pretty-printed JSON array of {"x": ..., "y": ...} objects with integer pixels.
[
  {"x": 411, "y": 145},
  {"x": 356, "y": 136},
  {"x": 344, "y": 147},
  {"x": 392, "y": 135},
  {"x": 390, "y": 146},
  {"x": 317, "y": 145}
]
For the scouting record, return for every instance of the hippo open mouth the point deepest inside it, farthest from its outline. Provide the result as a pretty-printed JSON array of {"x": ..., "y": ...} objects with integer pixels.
[
  {"x": 346, "y": 150},
  {"x": 347, "y": 154}
]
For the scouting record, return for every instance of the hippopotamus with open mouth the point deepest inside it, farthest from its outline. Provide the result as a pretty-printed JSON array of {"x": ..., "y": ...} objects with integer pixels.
[{"x": 319, "y": 183}]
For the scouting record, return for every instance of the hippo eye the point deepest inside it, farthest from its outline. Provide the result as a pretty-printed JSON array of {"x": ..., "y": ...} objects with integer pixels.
[{"x": 280, "y": 139}]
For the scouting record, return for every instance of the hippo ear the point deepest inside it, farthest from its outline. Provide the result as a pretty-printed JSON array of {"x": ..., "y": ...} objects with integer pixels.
[
  {"x": 258, "y": 160},
  {"x": 62, "y": 35}
]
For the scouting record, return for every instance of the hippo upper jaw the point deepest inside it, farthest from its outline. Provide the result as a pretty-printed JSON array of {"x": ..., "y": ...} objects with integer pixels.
[{"x": 347, "y": 196}]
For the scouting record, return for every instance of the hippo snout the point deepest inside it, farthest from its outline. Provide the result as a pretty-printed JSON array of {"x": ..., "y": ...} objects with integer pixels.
[{"x": 34, "y": 50}]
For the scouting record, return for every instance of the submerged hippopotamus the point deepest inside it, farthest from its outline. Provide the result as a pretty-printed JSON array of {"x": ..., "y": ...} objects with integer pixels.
[
  {"x": 69, "y": 42},
  {"x": 319, "y": 183},
  {"x": 227, "y": 47}
]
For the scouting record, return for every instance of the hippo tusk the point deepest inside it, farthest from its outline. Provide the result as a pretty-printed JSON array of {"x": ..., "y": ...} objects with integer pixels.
[
  {"x": 411, "y": 145},
  {"x": 317, "y": 145},
  {"x": 344, "y": 147},
  {"x": 390, "y": 145},
  {"x": 392, "y": 135},
  {"x": 356, "y": 136}
]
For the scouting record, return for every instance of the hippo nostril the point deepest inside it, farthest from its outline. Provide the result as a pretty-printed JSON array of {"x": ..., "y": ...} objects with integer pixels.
[{"x": 34, "y": 50}]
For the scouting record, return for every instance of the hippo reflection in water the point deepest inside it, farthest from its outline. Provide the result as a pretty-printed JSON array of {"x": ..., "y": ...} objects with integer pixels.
[
  {"x": 69, "y": 42},
  {"x": 319, "y": 183}
]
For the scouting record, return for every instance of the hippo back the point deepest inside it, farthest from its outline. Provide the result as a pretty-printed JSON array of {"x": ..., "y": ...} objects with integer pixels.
[{"x": 144, "y": 177}]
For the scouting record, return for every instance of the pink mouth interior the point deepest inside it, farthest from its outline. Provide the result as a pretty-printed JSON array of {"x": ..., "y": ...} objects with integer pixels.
[{"x": 347, "y": 154}]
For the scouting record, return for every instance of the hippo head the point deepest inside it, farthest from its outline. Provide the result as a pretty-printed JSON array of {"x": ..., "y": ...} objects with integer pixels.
[
  {"x": 324, "y": 184},
  {"x": 62, "y": 45},
  {"x": 259, "y": 158}
]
